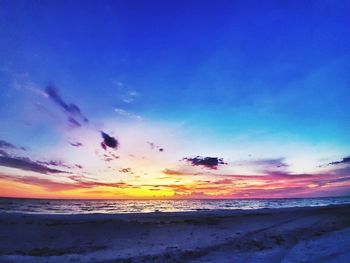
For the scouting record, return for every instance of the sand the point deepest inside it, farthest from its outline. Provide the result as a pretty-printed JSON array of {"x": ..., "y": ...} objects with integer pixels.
[{"x": 314, "y": 234}]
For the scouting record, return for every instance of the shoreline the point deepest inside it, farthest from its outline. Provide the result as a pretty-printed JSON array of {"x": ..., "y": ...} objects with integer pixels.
[{"x": 261, "y": 235}]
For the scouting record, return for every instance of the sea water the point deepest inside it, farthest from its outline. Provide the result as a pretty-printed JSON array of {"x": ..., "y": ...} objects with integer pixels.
[{"x": 54, "y": 206}]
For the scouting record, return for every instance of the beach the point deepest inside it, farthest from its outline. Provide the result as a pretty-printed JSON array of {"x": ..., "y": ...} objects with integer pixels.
[{"x": 310, "y": 234}]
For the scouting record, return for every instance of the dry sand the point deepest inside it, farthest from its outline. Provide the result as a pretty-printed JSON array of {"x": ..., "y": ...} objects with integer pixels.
[{"x": 319, "y": 234}]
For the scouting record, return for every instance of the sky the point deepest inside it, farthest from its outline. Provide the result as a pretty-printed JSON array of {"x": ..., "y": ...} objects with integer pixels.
[{"x": 174, "y": 99}]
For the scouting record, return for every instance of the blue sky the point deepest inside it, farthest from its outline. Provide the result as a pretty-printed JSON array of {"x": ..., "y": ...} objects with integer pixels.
[{"x": 268, "y": 77}]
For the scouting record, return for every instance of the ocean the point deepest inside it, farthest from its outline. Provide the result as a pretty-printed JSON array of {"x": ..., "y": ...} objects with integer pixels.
[{"x": 53, "y": 206}]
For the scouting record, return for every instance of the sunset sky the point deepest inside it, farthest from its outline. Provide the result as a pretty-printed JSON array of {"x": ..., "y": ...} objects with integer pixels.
[{"x": 174, "y": 99}]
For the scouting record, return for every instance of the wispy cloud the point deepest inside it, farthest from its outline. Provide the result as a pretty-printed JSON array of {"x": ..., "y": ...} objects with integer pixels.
[
  {"x": 51, "y": 185},
  {"x": 7, "y": 145},
  {"x": 127, "y": 94},
  {"x": 127, "y": 170},
  {"x": 26, "y": 164},
  {"x": 345, "y": 160},
  {"x": 76, "y": 144},
  {"x": 73, "y": 112},
  {"x": 174, "y": 172},
  {"x": 127, "y": 114},
  {"x": 268, "y": 163},
  {"x": 153, "y": 146}
]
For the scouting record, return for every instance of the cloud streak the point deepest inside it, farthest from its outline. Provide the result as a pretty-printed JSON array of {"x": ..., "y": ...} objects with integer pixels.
[
  {"x": 73, "y": 112},
  {"x": 27, "y": 165},
  {"x": 127, "y": 114},
  {"x": 7, "y": 145},
  {"x": 345, "y": 160},
  {"x": 78, "y": 182}
]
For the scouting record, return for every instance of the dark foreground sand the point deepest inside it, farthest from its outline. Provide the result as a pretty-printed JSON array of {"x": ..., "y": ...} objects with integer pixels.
[{"x": 273, "y": 235}]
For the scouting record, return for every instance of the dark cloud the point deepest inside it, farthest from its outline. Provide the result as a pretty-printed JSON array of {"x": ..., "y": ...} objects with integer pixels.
[
  {"x": 57, "y": 163},
  {"x": 345, "y": 160},
  {"x": 7, "y": 145},
  {"x": 151, "y": 145},
  {"x": 74, "y": 122},
  {"x": 108, "y": 155},
  {"x": 126, "y": 170},
  {"x": 154, "y": 146},
  {"x": 27, "y": 165},
  {"x": 76, "y": 144},
  {"x": 114, "y": 156},
  {"x": 71, "y": 110},
  {"x": 207, "y": 162},
  {"x": 103, "y": 145},
  {"x": 109, "y": 141},
  {"x": 4, "y": 153}
]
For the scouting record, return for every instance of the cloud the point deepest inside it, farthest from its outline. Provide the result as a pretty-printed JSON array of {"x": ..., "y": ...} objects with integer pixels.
[
  {"x": 344, "y": 171},
  {"x": 181, "y": 172},
  {"x": 264, "y": 166},
  {"x": 108, "y": 158},
  {"x": 271, "y": 163},
  {"x": 130, "y": 96},
  {"x": 58, "y": 163},
  {"x": 27, "y": 165},
  {"x": 78, "y": 182},
  {"x": 73, "y": 122},
  {"x": 127, "y": 94},
  {"x": 108, "y": 141},
  {"x": 151, "y": 144},
  {"x": 154, "y": 146},
  {"x": 207, "y": 162},
  {"x": 3, "y": 153},
  {"x": 127, "y": 114},
  {"x": 72, "y": 111},
  {"x": 81, "y": 182},
  {"x": 345, "y": 160},
  {"x": 6, "y": 148},
  {"x": 173, "y": 172},
  {"x": 45, "y": 183},
  {"x": 126, "y": 170},
  {"x": 103, "y": 145},
  {"x": 76, "y": 144},
  {"x": 7, "y": 145},
  {"x": 223, "y": 181}
]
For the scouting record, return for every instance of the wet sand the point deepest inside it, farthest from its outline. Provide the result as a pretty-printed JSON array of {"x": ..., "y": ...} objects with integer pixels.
[{"x": 314, "y": 234}]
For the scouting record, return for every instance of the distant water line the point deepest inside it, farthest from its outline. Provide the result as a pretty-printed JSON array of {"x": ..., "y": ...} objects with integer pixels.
[{"x": 50, "y": 206}]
